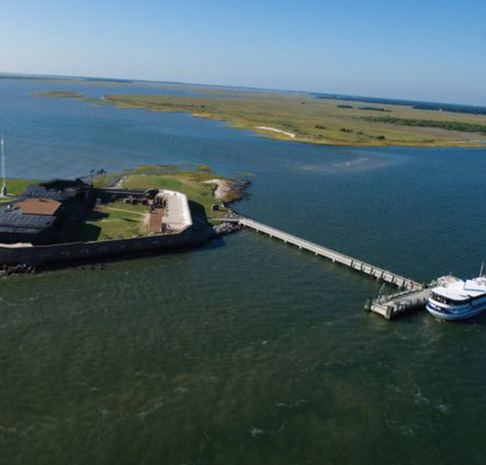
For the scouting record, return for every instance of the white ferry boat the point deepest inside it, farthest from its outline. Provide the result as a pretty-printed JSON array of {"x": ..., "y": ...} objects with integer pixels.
[{"x": 456, "y": 299}]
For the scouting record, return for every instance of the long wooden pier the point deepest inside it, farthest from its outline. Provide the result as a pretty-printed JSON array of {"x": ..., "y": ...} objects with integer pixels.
[
  {"x": 411, "y": 295},
  {"x": 354, "y": 263}
]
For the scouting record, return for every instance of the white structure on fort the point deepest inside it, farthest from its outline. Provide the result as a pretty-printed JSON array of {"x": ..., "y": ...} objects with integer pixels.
[{"x": 170, "y": 214}]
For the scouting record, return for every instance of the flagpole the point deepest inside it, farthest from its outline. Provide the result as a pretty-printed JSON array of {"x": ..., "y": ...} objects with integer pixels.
[{"x": 4, "y": 186}]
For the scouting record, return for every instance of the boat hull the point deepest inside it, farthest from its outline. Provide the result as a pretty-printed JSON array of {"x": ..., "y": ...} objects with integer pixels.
[{"x": 469, "y": 313}]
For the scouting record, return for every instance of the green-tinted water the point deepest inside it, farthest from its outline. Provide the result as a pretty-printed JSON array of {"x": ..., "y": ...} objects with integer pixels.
[{"x": 246, "y": 351}]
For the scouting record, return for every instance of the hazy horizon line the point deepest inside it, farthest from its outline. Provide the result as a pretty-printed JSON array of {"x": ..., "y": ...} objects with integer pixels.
[{"x": 14, "y": 74}]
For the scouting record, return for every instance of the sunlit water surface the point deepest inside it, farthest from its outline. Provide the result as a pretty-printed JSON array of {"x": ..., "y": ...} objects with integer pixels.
[{"x": 246, "y": 351}]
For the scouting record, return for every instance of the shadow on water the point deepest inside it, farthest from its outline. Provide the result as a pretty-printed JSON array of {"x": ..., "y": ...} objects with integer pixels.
[{"x": 479, "y": 320}]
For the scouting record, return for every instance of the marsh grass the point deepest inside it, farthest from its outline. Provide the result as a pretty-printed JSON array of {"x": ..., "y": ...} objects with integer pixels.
[
  {"x": 312, "y": 120},
  {"x": 59, "y": 94}
]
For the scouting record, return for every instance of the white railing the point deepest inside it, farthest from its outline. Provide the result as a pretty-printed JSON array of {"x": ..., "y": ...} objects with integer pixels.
[{"x": 331, "y": 254}]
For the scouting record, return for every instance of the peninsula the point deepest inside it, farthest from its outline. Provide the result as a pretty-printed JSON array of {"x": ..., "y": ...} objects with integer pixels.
[{"x": 309, "y": 118}]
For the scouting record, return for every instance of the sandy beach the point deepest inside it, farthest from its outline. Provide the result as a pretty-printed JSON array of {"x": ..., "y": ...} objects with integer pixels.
[{"x": 268, "y": 128}]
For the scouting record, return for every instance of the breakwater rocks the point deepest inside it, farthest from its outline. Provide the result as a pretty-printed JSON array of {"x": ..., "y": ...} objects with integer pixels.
[
  {"x": 226, "y": 228},
  {"x": 16, "y": 270}
]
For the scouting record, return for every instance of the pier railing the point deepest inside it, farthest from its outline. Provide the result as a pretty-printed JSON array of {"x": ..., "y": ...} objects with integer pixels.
[{"x": 358, "y": 265}]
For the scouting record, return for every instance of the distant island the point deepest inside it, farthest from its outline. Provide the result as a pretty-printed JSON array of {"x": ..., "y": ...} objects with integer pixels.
[
  {"x": 59, "y": 94},
  {"x": 313, "y": 118}
]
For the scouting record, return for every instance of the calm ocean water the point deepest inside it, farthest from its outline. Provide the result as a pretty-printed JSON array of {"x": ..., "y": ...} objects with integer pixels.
[{"x": 245, "y": 351}]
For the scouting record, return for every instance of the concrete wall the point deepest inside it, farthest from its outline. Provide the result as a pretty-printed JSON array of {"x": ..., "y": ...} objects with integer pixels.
[{"x": 43, "y": 255}]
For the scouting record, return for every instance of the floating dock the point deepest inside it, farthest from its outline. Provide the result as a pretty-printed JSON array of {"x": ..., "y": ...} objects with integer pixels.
[
  {"x": 412, "y": 295},
  {"x": 393, "y": 305}
]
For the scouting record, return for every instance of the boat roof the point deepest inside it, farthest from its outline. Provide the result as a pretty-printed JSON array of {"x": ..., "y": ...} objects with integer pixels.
[{"x": 462, "y": 289}]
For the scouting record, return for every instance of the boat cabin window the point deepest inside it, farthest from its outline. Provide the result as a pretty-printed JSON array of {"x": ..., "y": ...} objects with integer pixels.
[{"x": 446, "y": 301}]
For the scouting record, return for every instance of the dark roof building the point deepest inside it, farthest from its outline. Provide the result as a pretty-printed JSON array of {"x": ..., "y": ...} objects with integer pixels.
[{"x": 45, "y": 213}]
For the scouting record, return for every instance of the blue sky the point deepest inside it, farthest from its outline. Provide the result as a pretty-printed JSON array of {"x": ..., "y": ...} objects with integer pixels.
[{"x": 428, "y": 50}]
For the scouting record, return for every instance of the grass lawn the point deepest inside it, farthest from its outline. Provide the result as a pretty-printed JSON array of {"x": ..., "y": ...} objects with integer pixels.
[
  {"x": 192, "y": 183},
  {"x": 120, "y": 220},
  {"x": 113, "y": 221},
  {"x": 15, "y": 187},
  {"x": 195, "y": 188}
]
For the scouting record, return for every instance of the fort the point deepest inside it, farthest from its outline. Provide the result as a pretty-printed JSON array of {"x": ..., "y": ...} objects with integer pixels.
[
  {"x": 42, "y": 226},
  {"x": 102, "y": 216}
]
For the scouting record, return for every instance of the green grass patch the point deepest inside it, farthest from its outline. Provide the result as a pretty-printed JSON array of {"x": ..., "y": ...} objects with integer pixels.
[
  {"x": 15, "y": 187},
  {"x": 115, "y": 220},
  {"x": 119, "y": 220},
  {"x": 105, "y": 180},
  {"x": 426, "y": 123},
  {"x": 192, "y": 183},
  {"x": 153, "y": 181},
  {"x": 194, "y": 187},
  {"x": 59, "y": 94}
]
